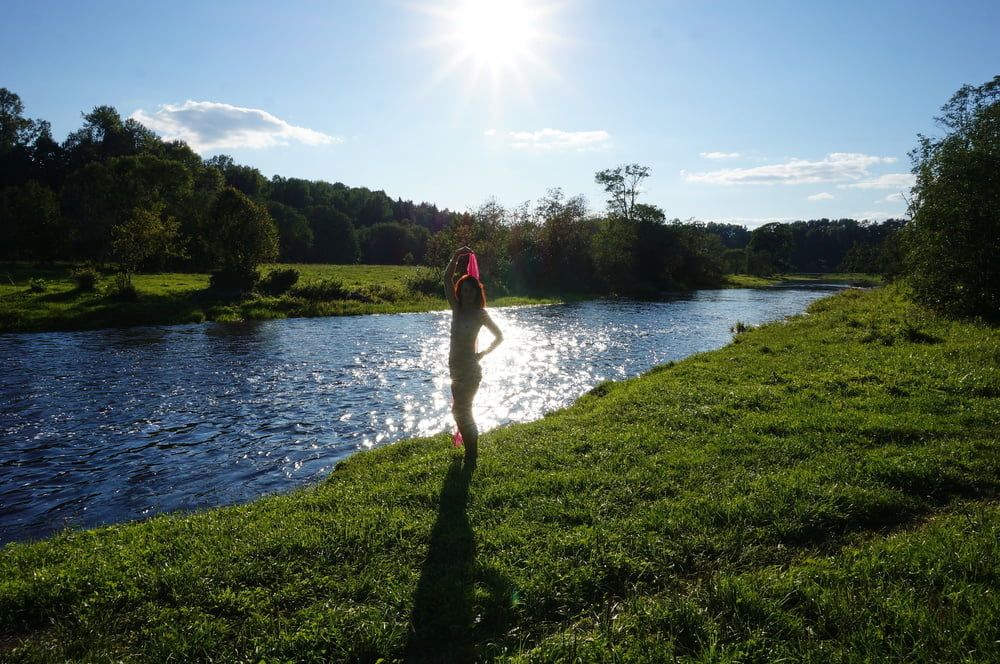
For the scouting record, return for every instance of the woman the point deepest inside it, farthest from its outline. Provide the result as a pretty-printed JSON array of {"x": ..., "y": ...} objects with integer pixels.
[{"x": 468, "y": 315}]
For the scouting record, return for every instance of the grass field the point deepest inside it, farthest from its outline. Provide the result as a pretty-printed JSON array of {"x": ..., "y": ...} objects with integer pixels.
[
  {"x": 748, "y": 281},
  {"x": 823, "y": 489},
  {"x": 753, "y": 281},
  {"x": 173, "y": 297}
]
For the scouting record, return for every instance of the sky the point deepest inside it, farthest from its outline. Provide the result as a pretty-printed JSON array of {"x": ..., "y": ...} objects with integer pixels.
[{"x": 744, "y": 112}]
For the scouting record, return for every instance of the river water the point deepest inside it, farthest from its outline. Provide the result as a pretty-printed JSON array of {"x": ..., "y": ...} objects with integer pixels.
[{"x": 109, "y": 425}]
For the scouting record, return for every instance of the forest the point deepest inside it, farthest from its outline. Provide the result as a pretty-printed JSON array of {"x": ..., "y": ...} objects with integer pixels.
[{"x": 114, "y": 194}]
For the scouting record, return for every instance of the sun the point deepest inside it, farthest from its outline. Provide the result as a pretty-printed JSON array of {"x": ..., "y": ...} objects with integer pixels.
[
  {"x": 495, "y": 33},
  {"x": 492, "y": 40}
]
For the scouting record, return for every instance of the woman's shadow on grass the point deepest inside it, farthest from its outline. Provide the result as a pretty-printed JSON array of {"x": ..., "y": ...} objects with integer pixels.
[{"x": 444, "y": 626}]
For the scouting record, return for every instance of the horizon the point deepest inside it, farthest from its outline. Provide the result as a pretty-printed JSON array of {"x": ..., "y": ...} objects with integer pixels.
[{"x": 454, "y": 103}]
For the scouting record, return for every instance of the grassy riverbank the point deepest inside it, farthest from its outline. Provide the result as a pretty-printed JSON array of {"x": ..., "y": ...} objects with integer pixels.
[
  {"x": 823, "y": 489},
  {"x": 850, "y": 278},
  {"x": 175, "y": 297},
  {"x": 55, "y": 303}
]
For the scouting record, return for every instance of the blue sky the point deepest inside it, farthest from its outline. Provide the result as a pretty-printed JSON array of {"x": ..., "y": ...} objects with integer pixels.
[{"x": 744, "y": 111}]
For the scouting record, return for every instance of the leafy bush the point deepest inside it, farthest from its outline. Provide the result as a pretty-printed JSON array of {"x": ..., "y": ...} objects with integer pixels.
[
  {"x": 740, "y": 327},
  {"x": 279, "y": 281},
  {"x": 381, "y": 293},
  {"x": 86, "y": 278},
  {"x": 123, "y": 291},
  {"x": 426, "y": 281},
  {"x": 37, "y": 285},
  {"x": 324, "y": 289},
  {"x": 332, "y": 289},
  {"x": 233, "y": 280},
  {"x": 242, "y": 235}
]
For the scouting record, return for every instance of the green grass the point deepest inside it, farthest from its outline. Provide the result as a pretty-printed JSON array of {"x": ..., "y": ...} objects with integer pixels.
[
  {"x": 748, "y": 281},
  {"x": 852, "y": 278},
  {"x": 754, "y": 281},
  {"x": 172, "y": 297},
  {"x": 823, "y": 489},
  {"x": 356, "y": 275}
]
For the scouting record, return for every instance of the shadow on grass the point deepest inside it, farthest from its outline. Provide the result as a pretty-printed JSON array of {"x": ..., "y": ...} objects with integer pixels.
[
  {"x": 441, "y": 623},
  {"x": 449, "y": 618},
  {"x": 62, "y": 296}
]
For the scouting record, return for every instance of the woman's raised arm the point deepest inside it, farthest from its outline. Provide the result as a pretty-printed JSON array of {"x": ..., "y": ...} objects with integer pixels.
[{"x": 449, "y": 275}]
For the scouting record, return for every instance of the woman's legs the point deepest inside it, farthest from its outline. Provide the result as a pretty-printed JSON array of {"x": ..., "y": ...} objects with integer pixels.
[{"x": 463, "y": 391}]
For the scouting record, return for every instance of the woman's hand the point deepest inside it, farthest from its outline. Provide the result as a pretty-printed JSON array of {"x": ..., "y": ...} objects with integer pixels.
[{"x": 460, "y": 252}]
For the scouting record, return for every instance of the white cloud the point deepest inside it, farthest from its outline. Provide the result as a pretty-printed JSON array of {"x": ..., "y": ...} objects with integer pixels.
[
  {"x": 835, "y": 167},
  {"x": 887, "y": 181},
  {"x": 878, "y": 215},
  {"x": 490, "y": 132},
  {"x": 720, "y": 155},
  {"x": 821, "y": 196},
  {"x": 556, "y": 139},
  {"x": 209, "y": 125},
  {"x": 892, "y": 198}
]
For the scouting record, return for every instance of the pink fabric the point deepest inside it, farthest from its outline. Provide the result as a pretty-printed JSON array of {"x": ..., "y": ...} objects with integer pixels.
[{"x": 472, "y": 270}]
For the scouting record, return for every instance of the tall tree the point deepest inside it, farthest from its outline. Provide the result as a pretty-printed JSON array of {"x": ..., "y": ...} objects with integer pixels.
[
  {"x": 295, "y": 237},
  {"x": 241, "y": 237},
  {"x": 18, "y": 136},
  {"x": 102, "y": 195},
  {"x": 15, "y": 129},
  {"x": 247, "y": 179},
  {"x": 770, "y": 249},
  {"x": 376, "y": 209},
  {"x": 334, "y": 237},
  {"x": 144, "y": 235},
  {"x": 30, "y": 224},
  {"x": 622, "y": 184},
  {"x": 104, "y": 135},
  {"x": 564, "y": 241},
  {"x": 953, "y": 240}
]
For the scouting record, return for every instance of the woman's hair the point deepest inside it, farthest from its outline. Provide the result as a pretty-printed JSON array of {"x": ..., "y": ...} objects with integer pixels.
[{"x": 477, "y": 283}]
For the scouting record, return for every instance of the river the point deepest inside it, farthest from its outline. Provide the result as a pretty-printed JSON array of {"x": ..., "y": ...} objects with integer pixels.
[{"x": 110, "y": 425}]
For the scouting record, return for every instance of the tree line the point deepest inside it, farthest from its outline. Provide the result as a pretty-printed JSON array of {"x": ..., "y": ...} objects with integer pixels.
[
  {"x": 115, "y": 193},
  {"x": 114, "y": 186}
]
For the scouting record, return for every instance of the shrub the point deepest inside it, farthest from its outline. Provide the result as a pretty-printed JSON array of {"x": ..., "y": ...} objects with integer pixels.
[
  {"x": 324, "y": 289},
  {"x": 380, "y": 293},
  {"x": 426, "y": 281},
  {"x": 740, "y": 327},
  {"x": 242, "y": 235},
  {"x": 233, "y": 280},
  {"x": 37, "y": 285},
  {"x": 123, "y": 291},
  {"x": 86, "y": 278},
  {"x": 279, "y": 281}
]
